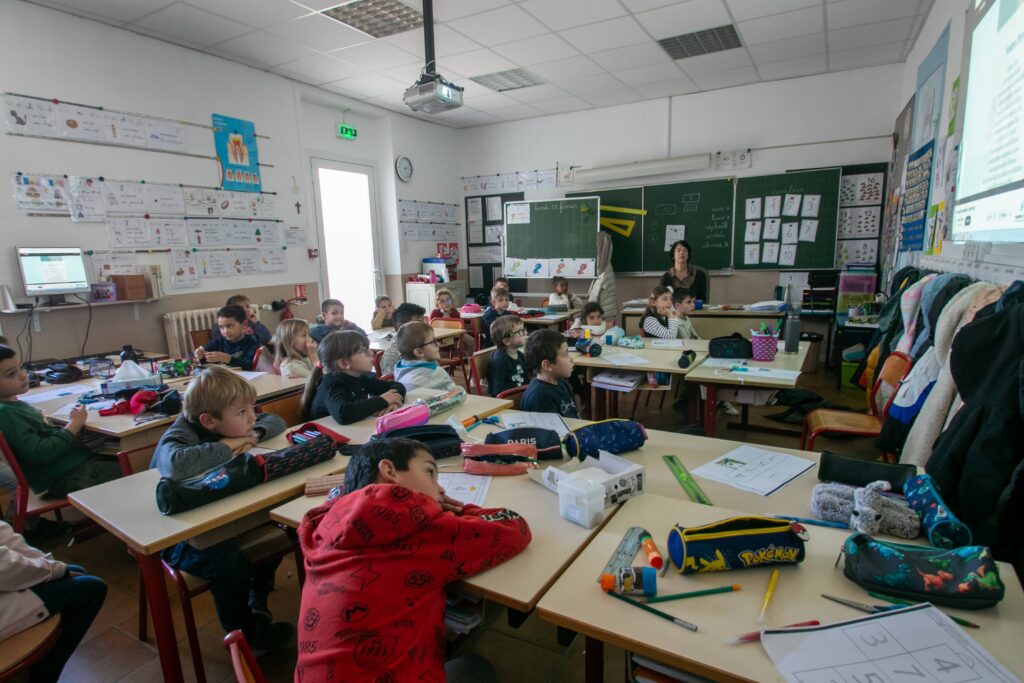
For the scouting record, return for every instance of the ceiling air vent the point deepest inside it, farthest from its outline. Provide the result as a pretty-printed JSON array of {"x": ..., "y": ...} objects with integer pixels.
[
  {"x": 513, "y": 79},
  {"x": 379, "y": 18},
  {"x": 701, "y": 42}
]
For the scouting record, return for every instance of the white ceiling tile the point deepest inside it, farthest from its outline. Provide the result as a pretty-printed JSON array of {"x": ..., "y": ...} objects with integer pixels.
[
  {"x": 193, "y": 25},
  {"x": 870, "y": 34},
  {"x": 727, "y": 79},
  {"x": 446, "y": 42},
  {"x": 256, "y": 13},
  {"x": 589, "y": 84},
  {"x": 318, "y": 69},
  {"x": 116, "y": 10},
  {"x": 465, "y": 118},
  {"x": 778, "y": 26},
  {"x": 537, "y": 93},
  {"x": 389, "y": 102},
  {"x": 519, "y": 111},
  {"x": 446, "y": 10},
  {"x": 411, "y": 41},
  {"x": 857, "y": 12},
  {"x": 649, "y": 74},
  {"x": 406, "y": 73},
  {"x": 865, "y": 56},
  {"x": 631, "y": 57},
  {"x": 475, "y": 63},
  {"x": 499, "y": 26},
  {"x": 562, "y": 105},
  {"x": 610, "y": 98},
  {"x": 569, "y": 13},
  {"x": 564, "y": 69},
  {"x": 264, "y": 48},
  {"x": 367, "y": 85},
  {"x": 493, "y": 100},
  {"x": 742, "y": 10},
  {"x": 317, "y": 5},
  {"x": 686, "y": 17},
  {"x": 470, "y": 88},
  {"x": 791, "y": 68},
  {"x": 319, "y": 32},
  {"x": 788, "y": 49},
  {"x": 644, "y": 5},
  {"x": 677, "y": 86},
  {"x": 545, "y": 48},
  {"x": 375, "y": 56},
  {"x": 177, "y": 40},
  {"x": 716, "y": 61},
  {"x": 606, "y": 35}
]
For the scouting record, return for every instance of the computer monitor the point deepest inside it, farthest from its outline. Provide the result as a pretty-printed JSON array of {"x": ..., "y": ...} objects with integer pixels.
[{"x": 50, "y": 271}]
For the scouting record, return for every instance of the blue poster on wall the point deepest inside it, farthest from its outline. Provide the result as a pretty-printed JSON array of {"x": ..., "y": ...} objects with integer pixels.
[
  {"x": 235, "y": 143},
  {"x": 915, "y": 198}
]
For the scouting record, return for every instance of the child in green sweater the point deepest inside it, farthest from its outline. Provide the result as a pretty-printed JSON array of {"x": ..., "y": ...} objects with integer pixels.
[{"x": 54, "y": 461}]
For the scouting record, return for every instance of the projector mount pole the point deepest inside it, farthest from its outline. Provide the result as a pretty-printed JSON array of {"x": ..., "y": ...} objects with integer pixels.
[{"x": 428, "y": 40}]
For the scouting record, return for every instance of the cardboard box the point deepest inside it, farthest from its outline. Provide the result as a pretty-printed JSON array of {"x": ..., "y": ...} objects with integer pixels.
[
  {"x": 129, "y": 287},
  {"x": 624, "y": 480}
]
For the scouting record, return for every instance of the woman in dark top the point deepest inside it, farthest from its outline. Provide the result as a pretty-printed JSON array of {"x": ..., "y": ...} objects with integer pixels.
[{"x": 682, "y": 274}]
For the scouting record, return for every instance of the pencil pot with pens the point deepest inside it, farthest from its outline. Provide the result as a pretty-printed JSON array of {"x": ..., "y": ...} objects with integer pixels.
[
  {"x": 736, "y": 543},
  {"x": 312, "y": 430},
  {"x": 764, "y": 346}
]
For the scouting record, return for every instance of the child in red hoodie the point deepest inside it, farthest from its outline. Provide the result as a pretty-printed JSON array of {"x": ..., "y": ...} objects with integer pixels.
[{"x": 378, "y": 559}]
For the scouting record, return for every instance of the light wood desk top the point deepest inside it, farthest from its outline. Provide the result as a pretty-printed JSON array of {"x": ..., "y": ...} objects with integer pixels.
[
  {"x": 659, "y": 360},
  {"x": 783, "y": 361},
  {"x": 549, "y": 319},
  {"x": 708, "y": 312},
  {"x": 383, "y": 342},
  {"x": 575, "y": 600}
]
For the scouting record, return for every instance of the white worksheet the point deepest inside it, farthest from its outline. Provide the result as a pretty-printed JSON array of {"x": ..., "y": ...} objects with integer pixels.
[
  {"x": 772, "y": 206},
  {"x": 771, "y": 228},
  {"x": 753, "y": 208},
  {"x": 753, "y": 469},
  {"x": 470, "y": 489},
  {"x": 792, "y": 205}
]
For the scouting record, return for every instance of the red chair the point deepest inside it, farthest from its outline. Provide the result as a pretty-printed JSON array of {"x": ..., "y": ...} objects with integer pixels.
[
  {"x": 19, "y": 652},
  {"x": 243, "y": 663},
  {"x": 26, "y": 503},
  {"x": 455, "y": 351},
  {"x": 515, "y": 395},
  {"x": 479, "y": 363},
  {"x": 377, "y": 355}
]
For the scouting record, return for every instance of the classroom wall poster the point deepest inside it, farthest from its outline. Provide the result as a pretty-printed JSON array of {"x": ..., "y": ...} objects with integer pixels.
[
  {"x": 85, "y": 197},
  {"x": 184, "y": 270},
  {"x": 40, "y": 193},
  {"x": 235, "y": 144},
  {"x": 931, "y": 76},
  {"x": 915, "y": 200}
]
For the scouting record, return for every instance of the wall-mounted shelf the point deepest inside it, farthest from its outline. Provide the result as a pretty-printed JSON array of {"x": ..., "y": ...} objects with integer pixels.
[{"x": 68, "y": 307}]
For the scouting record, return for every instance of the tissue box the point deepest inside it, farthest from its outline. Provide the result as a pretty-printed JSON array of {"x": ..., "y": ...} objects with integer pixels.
[
  {"x": 623, "y": 479},
  {"x": 129, "y": 287},
  {"x": 114, "y": 386}
]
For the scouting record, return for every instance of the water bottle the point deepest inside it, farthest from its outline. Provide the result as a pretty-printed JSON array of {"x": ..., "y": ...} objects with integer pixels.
[
  {"x": 128, "y": 353},
  {"x": 792, "y": 322}
]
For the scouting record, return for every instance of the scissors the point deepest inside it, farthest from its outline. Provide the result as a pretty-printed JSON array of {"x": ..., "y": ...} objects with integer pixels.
[{"x": 862, "y": 606}]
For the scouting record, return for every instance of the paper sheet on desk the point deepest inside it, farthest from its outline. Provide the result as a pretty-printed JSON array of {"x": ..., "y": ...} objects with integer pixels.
[
  {"x": 623, "y": 358},
  {"x": 470, "y": 489},
  {"x": 551, "y": 421},
  {"x": 43, "y": 396},
  {"x": 65, "y": 410},
  {"x": 250, "y": 375},
  {"x": 666, "y": 343},
  {"x": 918, "y": 643},
  {"x": 755, "y": 470},
  {"x": 766, "y": 373}
]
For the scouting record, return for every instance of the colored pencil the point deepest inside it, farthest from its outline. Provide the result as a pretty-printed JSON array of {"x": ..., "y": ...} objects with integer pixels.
[
  {"x": 693, "y": 594},
  {"x": 755, "y": 636},
  {"x": 656, "y": 612},
  {"x": 815, "y": 522},
  {"x": 901, "y": 601},
  {"x": 769, "y": 592}
]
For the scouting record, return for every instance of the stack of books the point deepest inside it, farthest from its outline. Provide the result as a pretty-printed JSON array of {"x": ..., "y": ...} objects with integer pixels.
[
  {"x": 617, "y": 380},
  {"x": 462, "y": 613}
]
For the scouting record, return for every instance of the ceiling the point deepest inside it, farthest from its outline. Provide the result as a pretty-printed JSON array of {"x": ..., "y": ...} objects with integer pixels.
[{"x": 590, "y": 53}]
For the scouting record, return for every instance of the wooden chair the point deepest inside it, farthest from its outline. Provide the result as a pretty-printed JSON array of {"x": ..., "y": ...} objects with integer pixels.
[
  {"x": 883, "y": 392},
  {"x": 515, "y": 395},
  {"x": 26, "y": 503},
  {"x": 243, "y": 663},
  {"x": 456, "y": 352},
  {"x": 263, "y": 361},
  {"x": 19, "y": 652},
  {"x": 200, "y": 337},
  {"x": 478, "y": 366},
  {"x": 377, "y": 356},
  {"x": 289, "y": 408}
]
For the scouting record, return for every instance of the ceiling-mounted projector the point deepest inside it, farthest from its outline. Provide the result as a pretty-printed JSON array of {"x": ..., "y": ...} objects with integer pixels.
[{"x": 431, "y": 94}]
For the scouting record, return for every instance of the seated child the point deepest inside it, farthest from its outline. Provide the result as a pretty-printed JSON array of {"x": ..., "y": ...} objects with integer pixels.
[
  {"x": 591, "y": 319},
  {"x": 561, "y": 295},
  {"x": 684, "y": 301},
  {"x": 252, "y": 325},
  {"x": 218, "y": 422},
  {"x": 344, "y": 386},
  {"x": 294, "y": 350},
  {"x": 391, "y": 550},
  {"x": 420, "y": 353},
  {"x": 659, "y": 320},
  {"x": 333, "y": 312},
  {"x": 382, "y": 312},
  {"x": 444, "y": 301},
  {"x": 403, "y": 314},
  {"x": 233, "y": 347},
  {"x": 547, "y": 354},
  {"x": 507, "y": 369},
  {"x": 502, "y": 282},
  {"x": 499, "y": 307},
  {"x": 54, "y": 461},
  {"x": 34, "y": 586}
]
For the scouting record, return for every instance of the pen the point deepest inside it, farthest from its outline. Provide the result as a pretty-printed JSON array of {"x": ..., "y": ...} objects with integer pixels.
[
  {"x": 755, "y": 636},
  {"x": 901, "y": 601},
  {"x": 815, "y": 522},
  {"x": 768, "y": 595},
  {"x": 470, "y": 420},
  {"x": 693, "y": 594},
  {"x": 656, "y": 612}
]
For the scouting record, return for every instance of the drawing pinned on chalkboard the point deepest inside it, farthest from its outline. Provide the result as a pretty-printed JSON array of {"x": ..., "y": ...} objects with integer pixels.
[
  {"x": 772, "y": 206},
  {"x": 787, "y": 255},
  {"x": 752, "y": 232},
  {"x": 811, "y": 204},
  {"x": 792, "y": 205},
  {"x": 674, "y": 233},
  {"x": 808, "y": 230},
  {"x": 771, "y": 228},
  {"x": 517, "y": 213},
  {"x": 770, "y": 253},
  {"x": 560, "y": 266},
  {"x": 536, "y": 267},
  {"x": 752, "y": 254},
  {"x": 583, "y": 267},
  {"x": 515, "y": 267},
  {"x": 790, "y": 233},
  {"x": 753, "y": 208}
]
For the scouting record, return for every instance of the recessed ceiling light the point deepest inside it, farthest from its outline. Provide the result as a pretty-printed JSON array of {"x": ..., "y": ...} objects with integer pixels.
[
  {"x": 513, "y": 79},
  {"x": 701, "y": 42},
  {"x": 379, "y": 18}
]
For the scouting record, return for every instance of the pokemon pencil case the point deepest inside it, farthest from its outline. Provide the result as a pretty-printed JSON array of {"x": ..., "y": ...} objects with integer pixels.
[{"x": 736, "y": 543}]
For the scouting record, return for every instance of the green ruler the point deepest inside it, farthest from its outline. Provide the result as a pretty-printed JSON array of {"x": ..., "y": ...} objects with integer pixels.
[
  {"x": 623, "y": 556},
  {"x": 686, "y": 480}
]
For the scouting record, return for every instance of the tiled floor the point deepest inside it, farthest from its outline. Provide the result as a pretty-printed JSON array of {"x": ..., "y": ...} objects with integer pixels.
[{"x": 112, "y": 652}]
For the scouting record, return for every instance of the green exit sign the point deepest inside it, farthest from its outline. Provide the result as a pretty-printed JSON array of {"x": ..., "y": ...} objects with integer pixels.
[{"x": 347, "y": 132}]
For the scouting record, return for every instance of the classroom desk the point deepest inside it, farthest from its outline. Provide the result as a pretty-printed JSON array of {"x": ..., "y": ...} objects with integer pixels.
[
  {"x": 714, "y": 322},
  {"x": 126, "y": 507},
  {"x": 550, "y": 320},
  {"x": 575, "y": 601},
  {"x": 381, "y": 342},
  {"x": 712, "y": 377}
]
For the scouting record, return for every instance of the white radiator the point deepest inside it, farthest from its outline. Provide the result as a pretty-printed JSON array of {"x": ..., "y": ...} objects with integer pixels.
[{"x": 179, "y": 324}]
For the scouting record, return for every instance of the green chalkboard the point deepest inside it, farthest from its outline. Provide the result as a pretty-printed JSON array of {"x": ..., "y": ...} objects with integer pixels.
[
  {"x": 704, "y": 209},
  {"x": 626, "y": 229},
  {"x": 756, "y": 219},
  {"x": 553, "y": 228}
]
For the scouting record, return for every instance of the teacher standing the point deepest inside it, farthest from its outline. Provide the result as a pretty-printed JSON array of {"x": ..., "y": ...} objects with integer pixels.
[{"x": 683, "y": 274}]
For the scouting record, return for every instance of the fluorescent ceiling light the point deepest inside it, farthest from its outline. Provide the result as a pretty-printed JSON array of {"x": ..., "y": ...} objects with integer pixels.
[{"x": 638, "y": 169}]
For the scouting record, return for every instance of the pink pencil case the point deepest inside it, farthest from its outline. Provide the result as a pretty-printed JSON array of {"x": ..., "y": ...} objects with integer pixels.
[{"x": 410, "y": 416}]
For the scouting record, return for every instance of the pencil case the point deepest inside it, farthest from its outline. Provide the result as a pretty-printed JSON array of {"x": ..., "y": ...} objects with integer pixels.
[
  {"x": 297, "y": 457},
  {"x": 736, "y": 543},
  {"x": 965, "y": 577},
  {"x": 238, "y": 474},
  {"x": 312, "y": 430},
  {"x": 843, "y": 469},
  {"x": 498, "y": 459},
  {"x": 546, "y": 442},
  {"x": 442, "y": 402},
  {"x": 943, "y": 528},
  {"x": 412, "y": 415},
  {"x": 613, "y": 436},
  {"x": 318, "y": 486}
]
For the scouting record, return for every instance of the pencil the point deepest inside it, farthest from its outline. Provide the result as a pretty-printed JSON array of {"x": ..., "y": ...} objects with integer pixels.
[
  {"x": 656, "y": 612},
  {"x": 755, "y": 636},
  {"x": 768, "y": 595},
  {"x": 901, "y": 601},
  {"x": 693, "y": 594},
  {"x": 815, "y": 522}
]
